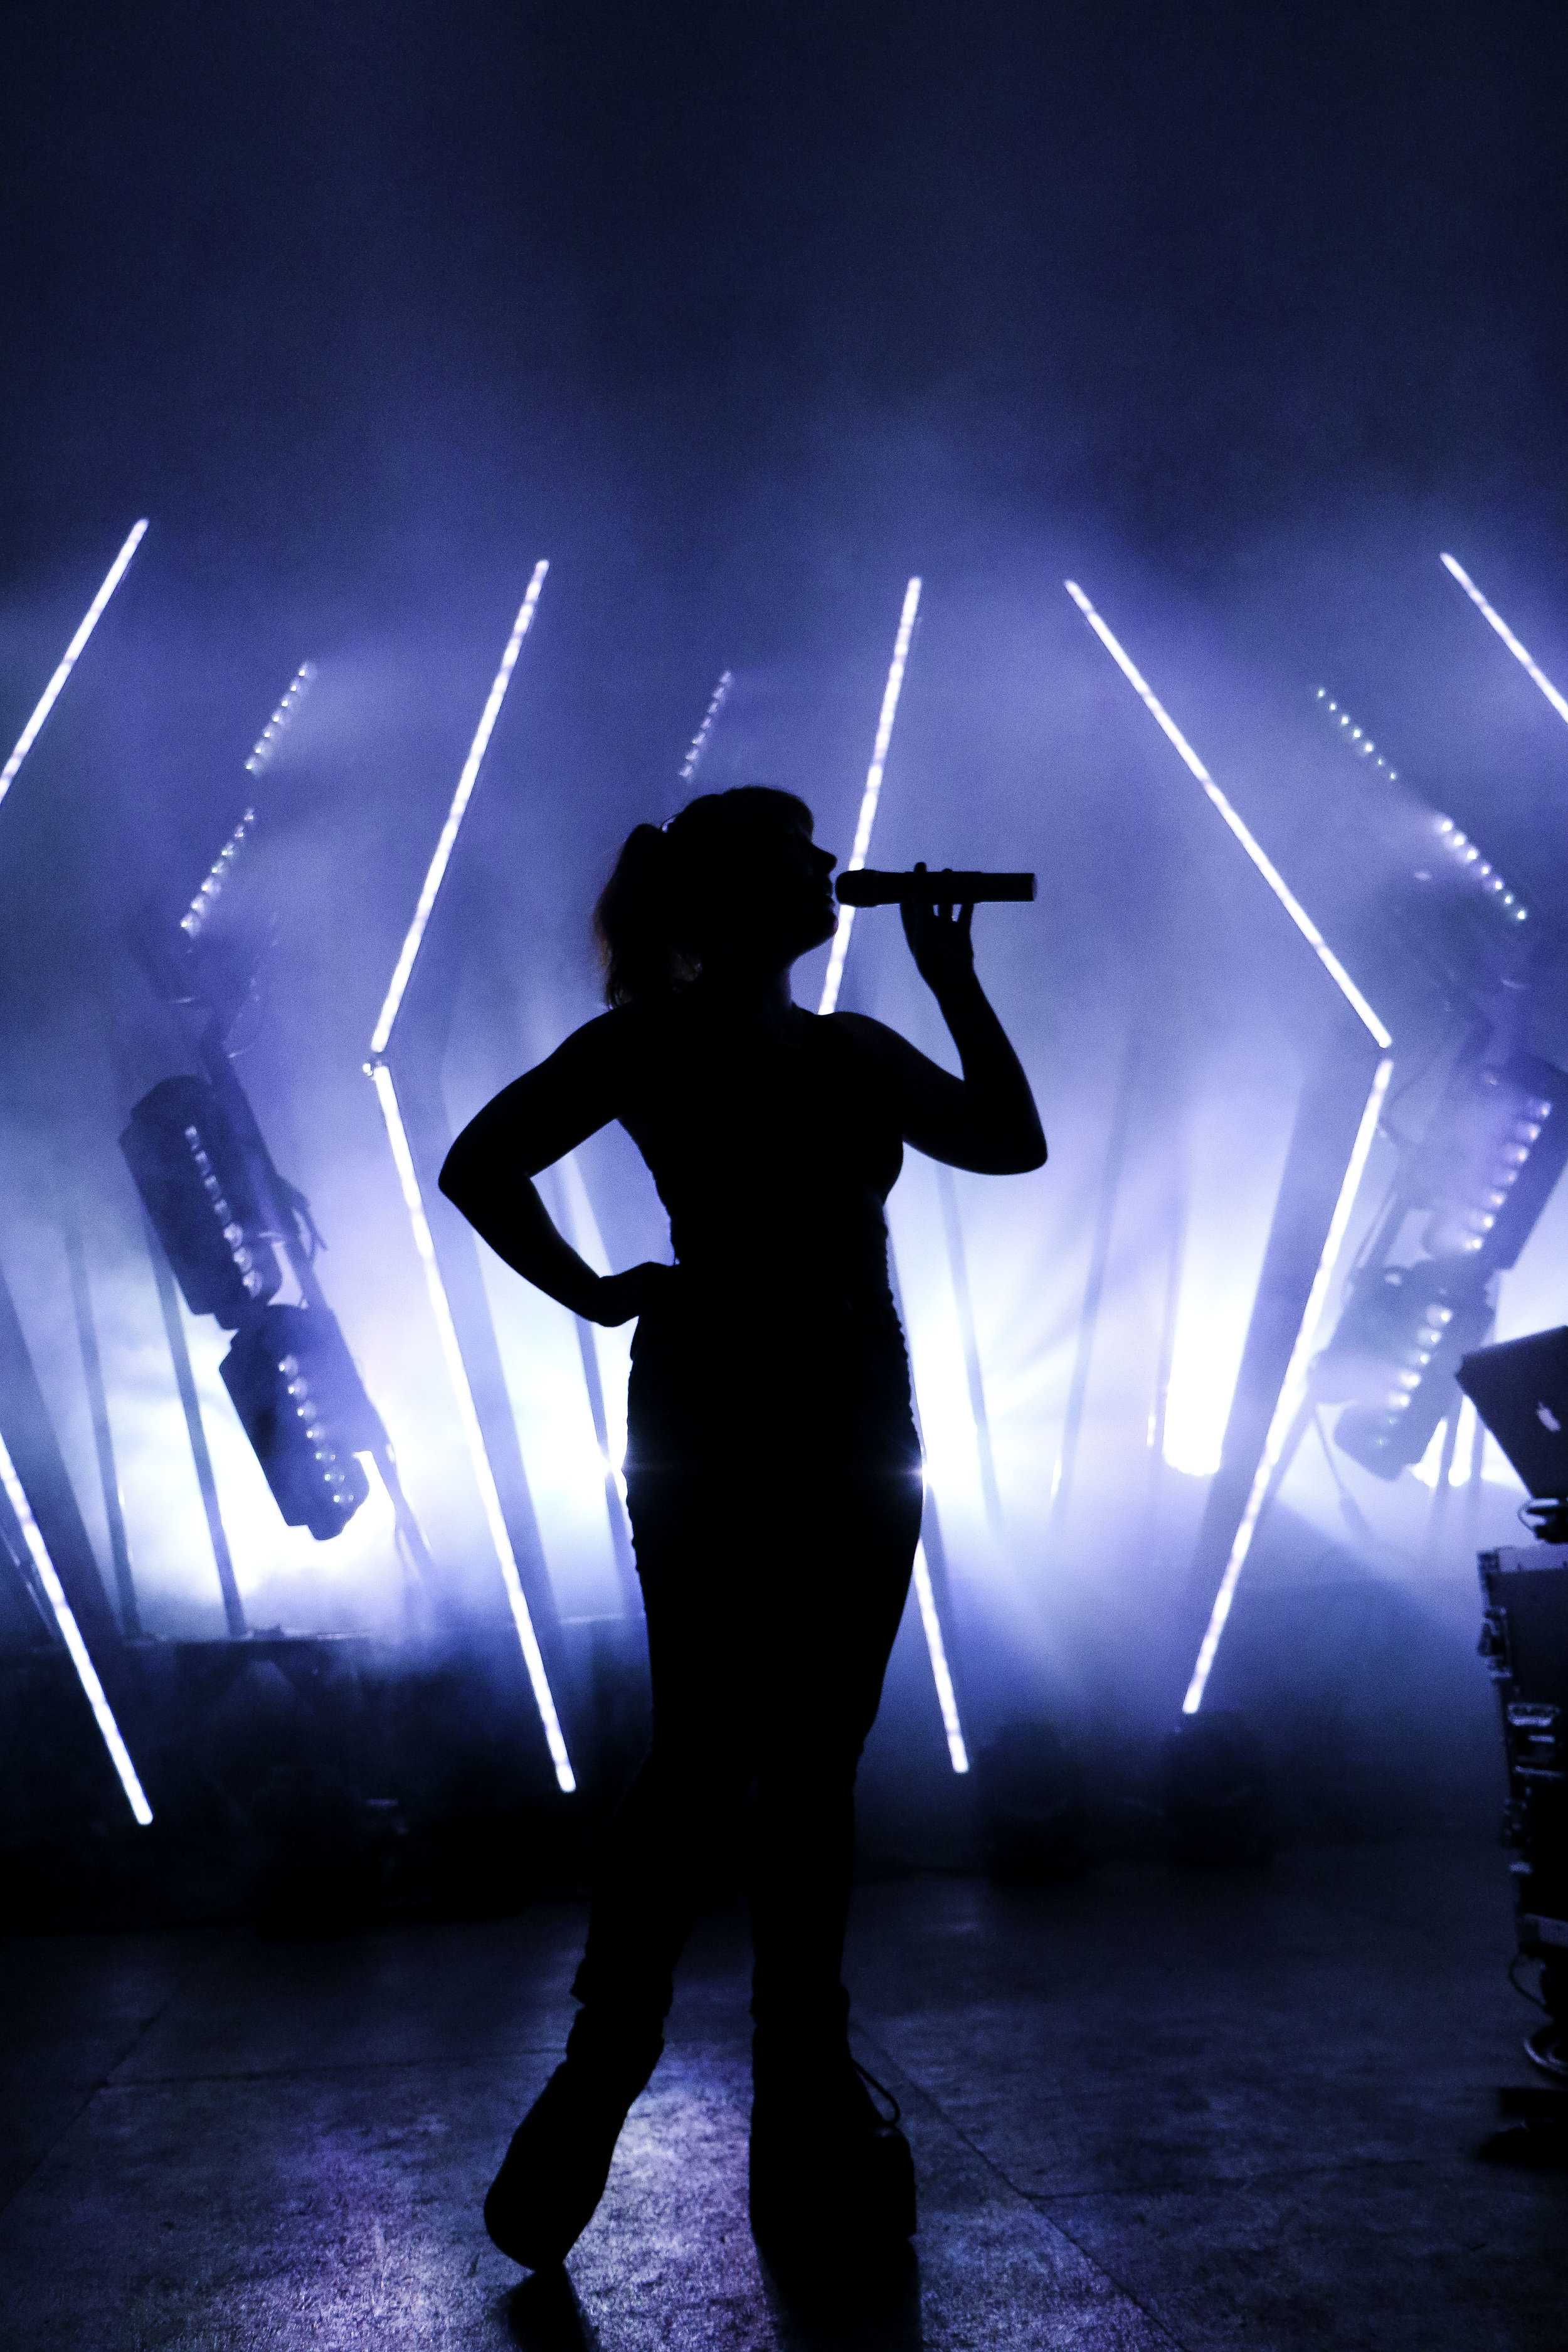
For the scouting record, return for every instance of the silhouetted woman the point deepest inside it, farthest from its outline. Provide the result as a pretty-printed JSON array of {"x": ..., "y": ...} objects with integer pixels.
[{"x": 772, "y": 1470}]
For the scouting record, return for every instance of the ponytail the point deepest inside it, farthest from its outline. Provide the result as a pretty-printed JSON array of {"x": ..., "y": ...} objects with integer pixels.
[{"x": 649, "y": 916}]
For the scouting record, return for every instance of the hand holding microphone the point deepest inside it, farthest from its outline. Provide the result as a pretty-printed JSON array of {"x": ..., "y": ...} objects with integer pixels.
[{"x": 937, "y": 910}]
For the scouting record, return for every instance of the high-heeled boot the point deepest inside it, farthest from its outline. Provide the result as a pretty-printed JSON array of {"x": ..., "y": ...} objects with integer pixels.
[{"x": 554, "y": 2174}]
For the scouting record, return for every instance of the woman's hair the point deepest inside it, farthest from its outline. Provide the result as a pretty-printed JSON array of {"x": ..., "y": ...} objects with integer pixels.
[{"x": 650, "y": 920}]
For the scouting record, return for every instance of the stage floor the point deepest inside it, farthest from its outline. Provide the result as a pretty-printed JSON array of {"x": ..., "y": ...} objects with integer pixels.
[{"x": 1150, "y": 2110}]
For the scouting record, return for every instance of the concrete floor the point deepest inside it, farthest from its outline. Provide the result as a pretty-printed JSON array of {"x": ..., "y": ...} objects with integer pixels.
[{"x": 1149, "y": 2110}]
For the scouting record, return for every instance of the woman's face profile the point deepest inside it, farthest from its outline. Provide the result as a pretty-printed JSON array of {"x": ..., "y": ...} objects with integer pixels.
[{"x": 792, "y": 896}]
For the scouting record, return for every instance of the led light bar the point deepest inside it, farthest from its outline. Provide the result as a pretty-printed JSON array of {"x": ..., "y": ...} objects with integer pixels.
[
  {"x": 958, "y": 1754},
  {"x": 404, "y": 969},
  {"x": 1292, "y": 1388},
  {"x": 484, "y": 1477},
  {"x": 873, "y": 788},
  {"x": 70, "y": 1634},
  {"x": 1355, "y": 738},
  {"x": 1531, "y": 668},
  {"x": 709, "y": 719},
  {"x": 282, "y": 719},
  {"x": 1249, "y": 841},
  {"x": 51, "y": 693}
]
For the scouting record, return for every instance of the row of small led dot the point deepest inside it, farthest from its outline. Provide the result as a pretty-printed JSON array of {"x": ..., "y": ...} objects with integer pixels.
[
  {"x": 316, "y": 1432},
  {"x": 267, "y": 741},
  {"x": 1363, "y": 741},
  {"x": 1427, "y": 1340},
  {"x": 1516, "y": 1149},
  {"x": 207, "y": 896},
  {"x": 233, "y": 1232},
  {"x": 1462, "y": 847}
]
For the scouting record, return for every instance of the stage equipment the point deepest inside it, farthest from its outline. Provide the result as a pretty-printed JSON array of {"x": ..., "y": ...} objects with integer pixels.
[
  {"x": 196, "y": 1435},
  {"x": 1395, "y": 1353},
  {"x": 1355, "y": 738},
  {"x": 301, "y": 1404},
  {"x": 1274, "y": 1362},
  {"x": 1533, "y": 669},
  {"x": 266, "y": 744},
  {"x": 1524, "y": 1642},
  {"x": 380, "y": 1074},
  {"x": 190, "y": 1169},
  {"x": 90, "y": 619},
  {"x": 70, "y": 1632},
  {"x": 872, "y": 792},
  {"x": 925, "y": 1591},
  {"x": 709, "y": 720},
  {"x": 945, "y": 886}
]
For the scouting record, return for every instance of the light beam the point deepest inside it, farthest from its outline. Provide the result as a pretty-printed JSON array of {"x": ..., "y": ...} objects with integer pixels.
[
  {"x": 1522, "y": 655},
  {"x": 484, "y": 1477},
  {"x": 70, "y": 1633},
  {"x": 1292, "y": 1387},
  {"x": 402, "y": 971},
  {"x": 51, "y": 693},
  {"x": 1253, "y": 848},
  {"x": 873, "y": 790}
]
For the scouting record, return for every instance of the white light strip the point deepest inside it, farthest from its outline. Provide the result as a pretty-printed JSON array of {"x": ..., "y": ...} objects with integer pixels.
[
  {"x": 282, "y": 719},
  {"x": 699, "y": 740},
  {"x": 424, "y": 1242},
  {"x": 404, "y": 969},
  {"x": 51, "y": 693},
  {"x": 1253, "y": 848},
  {"x": 1293, "y": 1384},
  {"x": 1520, "y": 653},
  {"x": 873, "y": 788},
  {"x": 70, "y": 1634},
  {"x": 957, "y": 1752}
]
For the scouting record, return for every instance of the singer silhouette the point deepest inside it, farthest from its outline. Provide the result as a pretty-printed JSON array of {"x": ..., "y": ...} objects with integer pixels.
[{"x": 772, "y": 1470}]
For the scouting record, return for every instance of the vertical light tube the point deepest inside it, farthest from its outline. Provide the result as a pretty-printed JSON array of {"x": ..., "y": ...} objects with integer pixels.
[
  {"x": 958, "y": 1754},
  {"x": 1292, "y": 1387},
  {"x": 70, "y": 1634},
  {"x": 872, "y": 789},
  {"x": 484, "y": 1477},
  {"x": 51, "y": 693},
  {"x": 1531, "y": 669},
  {"x": 402, "y": 971}
]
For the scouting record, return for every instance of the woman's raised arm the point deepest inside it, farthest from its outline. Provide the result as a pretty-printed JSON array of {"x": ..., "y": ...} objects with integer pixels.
[{"x": 527, "y": 1126}]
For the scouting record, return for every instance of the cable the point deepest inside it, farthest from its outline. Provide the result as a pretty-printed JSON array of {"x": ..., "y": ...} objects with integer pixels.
[{"x": 1523, "y": 1991}]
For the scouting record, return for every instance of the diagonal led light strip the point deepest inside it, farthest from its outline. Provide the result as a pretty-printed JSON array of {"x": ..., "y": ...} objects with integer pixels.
[
  {"x": 495, "y": 1518},
  {"x": 51, "y": 693},
  {"x": 1520, "y": 653},
  {"x": 1293, "y": 1386},
  {"x": 403, "y": 970},
  {"x": 873, "y": 788},
  {"x": 699, "y": 740},
  {"x": 1253, "y": 848},
  {"x": 929, "y": 1622},
  {"x": 70, "y": 1634}
]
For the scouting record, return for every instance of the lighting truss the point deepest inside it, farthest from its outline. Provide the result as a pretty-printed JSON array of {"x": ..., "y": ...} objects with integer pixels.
[
  {"x": 1248, "y": 840},
  {"x": 456, "y": 1372},
  {"x": 402, "y": 971},
  {"x": 90, "y": 619},
  {"x": 872, "y": 791},
  {"x": 709, "y": 717},
  {"x": 412, "y": 1199},
  {"x": 70, "y": 1634},
  {"x": 1293, "y": 1386},
  {"x": 1522, "y": 655}
]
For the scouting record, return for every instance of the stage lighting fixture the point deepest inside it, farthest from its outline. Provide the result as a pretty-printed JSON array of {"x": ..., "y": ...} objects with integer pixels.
[
  {"x": 1465, "y": 856},
  {"x": 1356, "y": 738},
  {"x": 709, "y": 719},
  {"x": 51, "y": 693},
  {"x": 1253, "y": 848},
  {"x": 193, "y": 1175},
  {"x": 54, "y": 1593},
  {"x": 1489, "y": 1161},
  {"x": 282, "y": 719},
  {"x": 946, "y": 1698},
  {"x": 1522, "y": 655},
  {"x": 402, "y": 971},
  {"x": 872, "y": 792},
  {"x": 1395, "y": 1353},
  {"x": 300, "y": 1401},
  {"x": 193, "y": 922}
]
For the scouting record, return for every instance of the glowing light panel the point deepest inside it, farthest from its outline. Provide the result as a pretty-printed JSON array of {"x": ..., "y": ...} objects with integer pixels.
[
  {"x": 1253, "y": 847},
  {"x": 484, "y": 1477},
  {"x": 709, "y": 719},
  {"x": 70, "y": 1634},
  {"x": 1533, "y": 669},
  {"x": 404, "y": 969},
  {"x": 51, "y": 693},
  {"x": 958, "y": 1754},
  {"x": 873, "y": 788},
  {"x": 1292, "y": 1387}
]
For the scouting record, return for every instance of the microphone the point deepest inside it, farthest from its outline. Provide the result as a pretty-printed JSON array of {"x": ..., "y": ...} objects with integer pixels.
[{"x": 950, "y": 885}]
